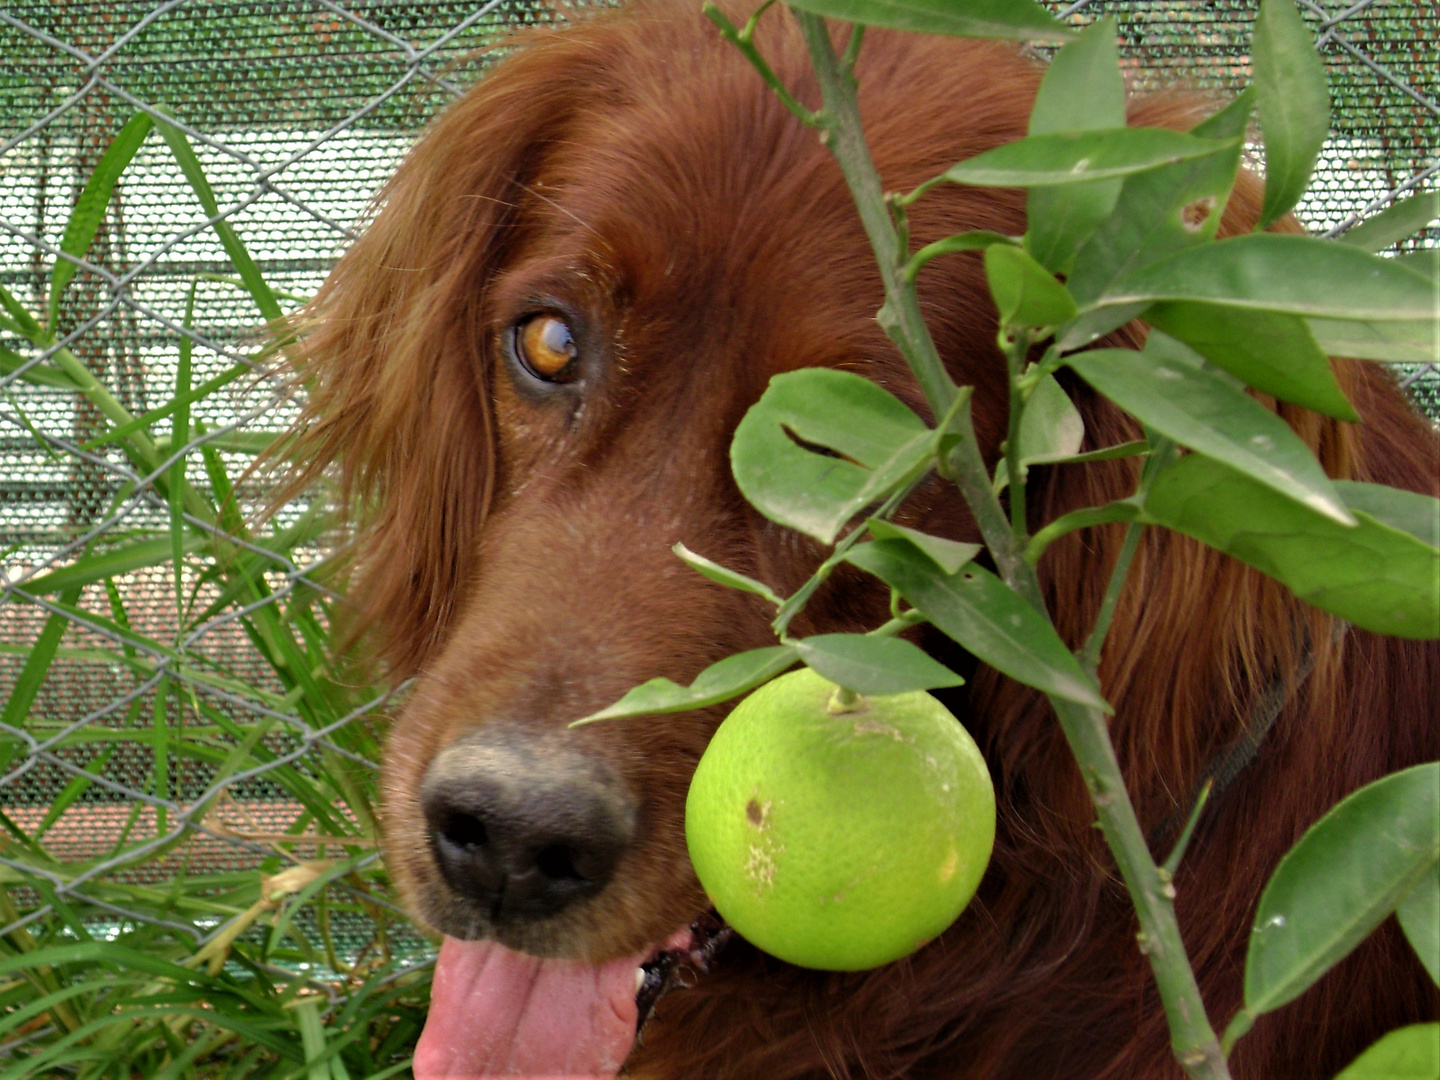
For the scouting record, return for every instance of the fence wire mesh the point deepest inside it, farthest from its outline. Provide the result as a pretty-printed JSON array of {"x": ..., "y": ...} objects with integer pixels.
[{"x": 184, "y": 772}]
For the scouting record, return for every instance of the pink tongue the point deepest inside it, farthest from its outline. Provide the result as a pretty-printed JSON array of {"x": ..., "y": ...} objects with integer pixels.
[{"x": 494, "y": 1012}]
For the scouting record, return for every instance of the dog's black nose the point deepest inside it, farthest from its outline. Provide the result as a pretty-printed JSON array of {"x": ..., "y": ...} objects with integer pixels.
[{"x": 522, "y": 826}]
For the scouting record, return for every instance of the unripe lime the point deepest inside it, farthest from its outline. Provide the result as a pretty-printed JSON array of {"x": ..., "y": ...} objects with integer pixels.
[{"x": 843, "y": 840}]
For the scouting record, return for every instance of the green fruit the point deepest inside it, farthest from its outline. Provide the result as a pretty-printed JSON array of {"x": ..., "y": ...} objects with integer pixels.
[{"x": 842, "y": 840}]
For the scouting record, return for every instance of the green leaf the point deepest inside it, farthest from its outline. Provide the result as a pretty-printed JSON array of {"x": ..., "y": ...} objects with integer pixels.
[
  {"x": 1396, "y": 222},
  {"x": 731, "y": 579},
  {"x": 1425, "y": 261},
  {"x": 977, "y": 609},
  {"x": 245, "y": 266},
  {"x": 1082, "y": 91},
  {"x": 1276, "y": 354},
  {"x": 1408, "y": 511},
  {"x": 1019, "y": 20},
  {"x": 1161, "y": 347},
  {"x": 1085, "y": 518},
  {"x": 312, "y": 1037},
  {"x": 1051, "y": 430},
  {"x": 115, "y": 956},
  {"x": 877, "y": 442},
  {"x": 179, "y": 438},
  {"x": 324, "y": 880},
  {"x": 1159, "y": 213},
  {"x": 1299, "y": 275},
  {"x": 1419, "y": 915},
  {"x": 29, "y": 328},
  {"x": 37, "y": 666},
  {"x": 1133, "y": 448},
  {"x": 1414, "y": 341},
  {"x": 1294, "y": 104},
  {"x": 1079, "y": 157},
  {"x": 195, "y": 393},
  {"x": 1025, "y": 292},
  {"x": 948, "y": 555},
  {"x": 874, "y": 665},
  {"x": 90, "y": 207},
  {"x": 719, "y": 682},
  {"x": 974, "y": 240},
  {"x": 254, "y": 441},
  {"x": 1341, "y": 880},
  {"x": 120, "y": 560},
  {"x": 77, "y": 786},
  {"x": 1377, "y": 576},
  {"x": 39, "y": 374},
  {"x": 1408, "y": 1053},
  {"x": 1204, "y": 411}
]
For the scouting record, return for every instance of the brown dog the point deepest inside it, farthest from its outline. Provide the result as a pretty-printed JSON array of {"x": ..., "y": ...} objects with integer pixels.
[{"x": 529, "y": 369}]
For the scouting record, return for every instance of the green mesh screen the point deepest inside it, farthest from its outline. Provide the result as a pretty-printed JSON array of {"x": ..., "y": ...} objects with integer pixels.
[{"x": 171, "y": 741}]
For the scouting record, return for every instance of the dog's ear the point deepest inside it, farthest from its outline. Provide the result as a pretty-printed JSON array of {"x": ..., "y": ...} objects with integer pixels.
[{"x": 391, "y": 354}]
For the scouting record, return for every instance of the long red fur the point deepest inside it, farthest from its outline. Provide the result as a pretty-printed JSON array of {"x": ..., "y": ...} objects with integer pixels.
[{"x": 514, "y": 556}]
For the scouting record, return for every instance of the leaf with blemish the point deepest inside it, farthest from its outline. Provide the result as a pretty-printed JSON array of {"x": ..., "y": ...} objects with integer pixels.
[
  {"x": 1073, "y": 157},
  {"x": 821, "y": 445}
]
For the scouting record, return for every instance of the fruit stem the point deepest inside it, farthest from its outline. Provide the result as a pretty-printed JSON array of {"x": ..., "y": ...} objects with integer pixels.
[{"x": 844, "y": 700}]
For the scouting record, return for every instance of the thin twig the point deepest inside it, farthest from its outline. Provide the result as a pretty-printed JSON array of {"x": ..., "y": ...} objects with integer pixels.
[
  {"x": 1167, "y": 871},
  {"x": 741, "y": 39},
  {"x": 1016, "y": 346},
  {"x": 1162, "y": 452}
]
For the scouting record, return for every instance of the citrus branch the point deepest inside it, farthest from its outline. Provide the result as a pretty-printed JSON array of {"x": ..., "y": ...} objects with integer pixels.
[{"x": 1152, "y": 893}]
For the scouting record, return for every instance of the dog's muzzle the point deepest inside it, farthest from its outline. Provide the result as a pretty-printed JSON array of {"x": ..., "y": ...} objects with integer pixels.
[{"x": 522, "y": 827}]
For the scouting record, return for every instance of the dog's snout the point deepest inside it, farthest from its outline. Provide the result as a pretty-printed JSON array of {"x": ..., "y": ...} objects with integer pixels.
[{"x": 522, "y": 827}]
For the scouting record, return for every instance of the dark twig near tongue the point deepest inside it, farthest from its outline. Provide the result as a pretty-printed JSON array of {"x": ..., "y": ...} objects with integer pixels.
[{"x": 675, "y": 969}]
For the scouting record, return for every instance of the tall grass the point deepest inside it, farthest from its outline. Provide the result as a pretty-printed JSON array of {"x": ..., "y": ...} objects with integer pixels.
[{"x": 157, "y": 952}]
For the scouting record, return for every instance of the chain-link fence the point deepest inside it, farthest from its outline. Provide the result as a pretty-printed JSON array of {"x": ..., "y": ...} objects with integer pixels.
[{"x": 186, "y": 776}]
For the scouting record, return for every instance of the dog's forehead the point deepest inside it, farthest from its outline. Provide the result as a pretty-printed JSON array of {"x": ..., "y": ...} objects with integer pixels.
[
  {"x": 672, "y": 175},
  {"x": 661, "y": 197}
]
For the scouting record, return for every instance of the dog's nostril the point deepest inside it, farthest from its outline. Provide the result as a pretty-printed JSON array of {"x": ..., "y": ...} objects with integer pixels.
[
  {"x": 521, "y": 829},
  {"x": 555, "y": 862},
  {"x": 465, "y": 830}
]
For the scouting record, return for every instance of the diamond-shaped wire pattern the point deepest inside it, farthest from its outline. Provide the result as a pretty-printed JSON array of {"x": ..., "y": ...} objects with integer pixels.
[{"x": 173, "y": 726}]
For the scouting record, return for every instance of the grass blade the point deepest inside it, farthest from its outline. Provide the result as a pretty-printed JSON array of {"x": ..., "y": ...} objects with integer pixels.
[
  {"x": 250, "y": 274},
  {"x": 90, "y": 207}
]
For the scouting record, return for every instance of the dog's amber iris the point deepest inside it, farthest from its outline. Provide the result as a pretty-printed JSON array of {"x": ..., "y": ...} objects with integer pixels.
[{"x": 546, "y": 346}]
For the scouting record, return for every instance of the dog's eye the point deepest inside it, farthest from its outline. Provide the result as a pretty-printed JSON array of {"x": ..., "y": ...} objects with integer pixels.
[{"x": 545, "y": 346}]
